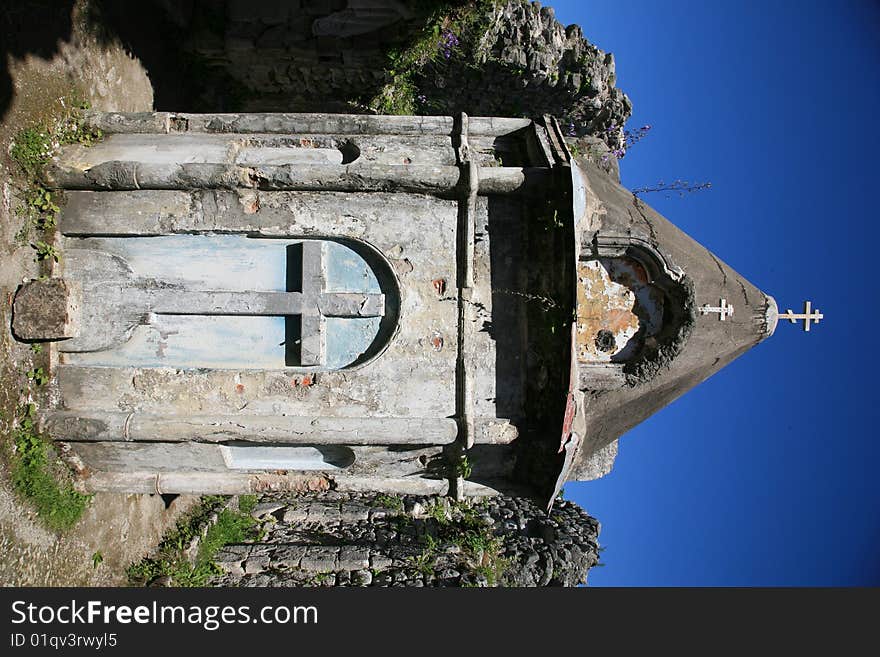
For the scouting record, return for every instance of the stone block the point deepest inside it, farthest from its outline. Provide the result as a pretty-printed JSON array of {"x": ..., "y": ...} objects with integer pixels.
[
  {"x": 234, "y": 552},
  {"x": 324, "y": 512},
  {"x": 256, "y": 565},
  {"x": 230, "y": 567},
  {"x": 362, "y": 578},
  {"x": 319, "y": 7},
  {"x": 319, "y": 558},
  {"x": 380, "y": 561},
  {"x": 244, "y": 30},
  {"x": 352, "y": 513},
  {"x": 296, "y": 514},
  {"x": 352, "y": 557},
  {"x": 289, "y": 556},
  {"x": 240, "y": 10},
  {"x": 47, "y": 310},
  {"x": 266, "y": 508},
  {"x": 238, "y": 43},
  {"x": 299, "y": 28},
  {"x": 274, "y": 37}
]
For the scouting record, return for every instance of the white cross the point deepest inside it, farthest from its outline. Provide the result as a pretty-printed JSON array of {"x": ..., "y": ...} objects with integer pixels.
[
  {"x": 724, "y": 309},
  {"x": 809, "y": 315}
]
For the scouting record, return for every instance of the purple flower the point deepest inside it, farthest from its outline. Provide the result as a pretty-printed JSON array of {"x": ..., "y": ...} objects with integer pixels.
[{"x": 447, "y": 42}]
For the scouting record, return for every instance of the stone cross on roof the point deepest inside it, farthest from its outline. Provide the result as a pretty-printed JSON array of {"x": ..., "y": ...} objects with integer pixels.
[
  {"x": 723, "y": 309},
  {"x": 809, "y": 315}
]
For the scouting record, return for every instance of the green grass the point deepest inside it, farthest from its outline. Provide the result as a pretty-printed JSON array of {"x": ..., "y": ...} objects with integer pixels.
[
  {"x": 464, "y": 469},
  {"x": 391, "y": 502},
  {"x": 36, "y": 478},
  {"x": 39, "y": 207},
  {"x": 247, "y": 503},
  {"x": 437, "y": 510},
  {"x": 398, "y": 97},
  {"x": 323, "y": 577},
  {"x": 483, "y": 549},
  {"x": 424, "y": 562},
  {"x": 231, "y": 527},
  {"x": 38, "y": 376}
]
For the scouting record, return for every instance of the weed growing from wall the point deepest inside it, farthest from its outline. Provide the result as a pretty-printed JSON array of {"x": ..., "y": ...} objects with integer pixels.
[
  {"x": 32, "y": 149},
  {"x": 390, "y": 502},
  {"x": 458, "y": 529},
  {"x": 446, "y": 27}
]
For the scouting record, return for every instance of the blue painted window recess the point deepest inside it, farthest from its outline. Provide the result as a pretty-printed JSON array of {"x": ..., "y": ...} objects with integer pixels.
[{"x": 345, "y": 292}]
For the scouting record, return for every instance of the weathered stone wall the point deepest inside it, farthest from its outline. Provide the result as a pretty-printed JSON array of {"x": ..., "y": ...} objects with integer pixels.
[
  {"x": 337, "y": 539},
  {"x": 295, "y": 56},
  {"x": 510, "y": 59}
]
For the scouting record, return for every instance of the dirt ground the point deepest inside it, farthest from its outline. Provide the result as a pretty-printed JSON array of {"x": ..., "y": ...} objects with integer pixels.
[{"x": 122, "y": 528}]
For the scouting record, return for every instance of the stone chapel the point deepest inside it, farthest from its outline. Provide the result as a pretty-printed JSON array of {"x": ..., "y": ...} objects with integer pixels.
[{"x": 409, "y": 304}]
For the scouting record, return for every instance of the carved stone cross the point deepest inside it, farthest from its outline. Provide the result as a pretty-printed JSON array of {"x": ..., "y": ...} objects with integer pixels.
[
  {"x": 305, "y": 305},
  {"x": 809, "y": 315},
  {"x": 724, "y": 309}
]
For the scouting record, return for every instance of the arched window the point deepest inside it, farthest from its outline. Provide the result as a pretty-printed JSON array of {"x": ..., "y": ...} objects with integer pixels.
[{"x": 234, "y": 302}]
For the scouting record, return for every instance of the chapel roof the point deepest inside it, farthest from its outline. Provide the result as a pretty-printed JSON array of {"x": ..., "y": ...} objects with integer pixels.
[{"x": 695, "y": 341}]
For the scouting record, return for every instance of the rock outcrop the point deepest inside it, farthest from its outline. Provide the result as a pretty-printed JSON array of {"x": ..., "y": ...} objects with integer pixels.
[{"x": 526, "y": 63}]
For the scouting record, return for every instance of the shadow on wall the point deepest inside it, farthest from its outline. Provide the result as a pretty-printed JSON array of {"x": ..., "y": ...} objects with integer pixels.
[
  {"x": 232, "y": 55},
  {"x": 30, "y": 27},
  {"x": 39, "y": 27},
  {"x": 153, "y": 34},
  {"x": 240, "y": 55},
  {"x": 342, "y": 56}
]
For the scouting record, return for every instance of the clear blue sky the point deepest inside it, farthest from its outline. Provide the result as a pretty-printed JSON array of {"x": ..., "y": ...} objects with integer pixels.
[{"x": 767, "y": 473}]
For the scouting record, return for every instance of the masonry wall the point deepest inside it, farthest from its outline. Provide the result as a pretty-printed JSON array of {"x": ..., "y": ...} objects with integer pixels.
[
  {"x": 338, "y": 539},
  {"x": 512, "y": 59}
]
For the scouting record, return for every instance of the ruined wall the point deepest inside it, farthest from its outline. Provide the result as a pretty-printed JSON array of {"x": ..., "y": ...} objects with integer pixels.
[
  {"x": 503, "y": 59},
  {"x": 300, "y": 56},
  {"x": 337, "y": 539}
]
